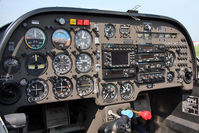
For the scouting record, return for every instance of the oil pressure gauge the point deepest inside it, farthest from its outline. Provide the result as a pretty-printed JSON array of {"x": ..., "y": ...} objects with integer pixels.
[{"x": 109, "y": 92}]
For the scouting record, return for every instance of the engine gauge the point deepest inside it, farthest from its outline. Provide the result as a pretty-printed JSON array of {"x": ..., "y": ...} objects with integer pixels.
[
  {"x": 109, "y": 30},
  {"x": 84, "y": 62},
  {"x": 84, "y": 85},
  {"x": 126, "y": 90},
  {"x": 61, "y": 39},
  {"x": 170, "y": 76},
  {"x": 83, "y": 40},
  {"x": 37, "y": 90},
  {"x": 62, "y": 63},
  {"x": 11, "y": 65},
  {"x": 63, "y": 87},
  {"x": 36, "y": 64},
  {"x": 109, "y": 92},
  {"x": 35, "y": 38},
  {"x": 169, "y": 59}
]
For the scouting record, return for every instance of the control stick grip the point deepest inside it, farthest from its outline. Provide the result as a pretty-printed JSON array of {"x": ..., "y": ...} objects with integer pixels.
[{"x": 15, "y": 121}]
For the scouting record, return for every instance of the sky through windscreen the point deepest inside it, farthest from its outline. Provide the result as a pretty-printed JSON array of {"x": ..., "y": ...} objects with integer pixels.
[{"x": 185, "y": 11}]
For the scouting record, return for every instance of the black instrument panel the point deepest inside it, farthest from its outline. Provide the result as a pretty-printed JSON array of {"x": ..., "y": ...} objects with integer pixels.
[{"x": 62, "y": 56}]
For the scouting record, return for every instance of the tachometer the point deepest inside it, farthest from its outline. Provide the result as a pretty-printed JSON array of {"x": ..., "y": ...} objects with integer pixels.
[
  {"x": 84, "y": 62},
  {"x": 84, "y": 85},
  {"x": 109, "y": 30},
  {"x": 35, "y": 38},
  {"x": 36, "y": 64},
  {"x": 126, "y": 90},
  {"x": 61, "y": 39},
  {"x": 37, "y": 90},
  {"x": 109, "y": 92},
  {"x": 62, "y": 64},
  {"x": 63, "y": 87},
  {"x": 83, "y": 40}
]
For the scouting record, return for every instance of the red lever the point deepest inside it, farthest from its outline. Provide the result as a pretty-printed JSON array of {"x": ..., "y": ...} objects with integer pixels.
[{"x": 146, "y": 115}]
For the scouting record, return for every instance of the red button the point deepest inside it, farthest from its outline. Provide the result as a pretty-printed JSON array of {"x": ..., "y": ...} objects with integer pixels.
[
  {"x": 79, "y": 22},
  {"x": 86, "y": 22}
]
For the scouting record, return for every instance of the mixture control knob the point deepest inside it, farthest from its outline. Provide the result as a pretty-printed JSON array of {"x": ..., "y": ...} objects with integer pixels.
[
  {"x": 141, "y": 69},
  {"x": 151, "y": 77},
  {"x": 147, "y": 67}
]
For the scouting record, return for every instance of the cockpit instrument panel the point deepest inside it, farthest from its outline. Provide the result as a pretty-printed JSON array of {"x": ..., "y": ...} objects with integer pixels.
[{"x": 108, "y": 56}]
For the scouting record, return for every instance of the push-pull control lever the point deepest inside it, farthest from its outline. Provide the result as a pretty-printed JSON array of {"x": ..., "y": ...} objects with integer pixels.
[
  {"x": 122, "y": 120},
  {"x": 146, "y": 115}
]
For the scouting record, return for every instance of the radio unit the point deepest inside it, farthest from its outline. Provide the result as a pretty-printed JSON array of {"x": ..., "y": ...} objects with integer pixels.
[
  {"x": 151, "y": 67},
  {"x": 151, "y": 57},
  {"x": 119, "y": 73},
  {"x": 118, "y": 55},
  {"x": 150, "y": 48},
  {"x": 152, "y": 77}
]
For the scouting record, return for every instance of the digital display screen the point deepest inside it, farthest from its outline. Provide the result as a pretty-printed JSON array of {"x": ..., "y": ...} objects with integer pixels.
[
  {"x": 147, "y": 47},
  {"x": 119, "y": 58},
  {"x": 115, "y": 72},
  {"x": 147, "y": 56}
]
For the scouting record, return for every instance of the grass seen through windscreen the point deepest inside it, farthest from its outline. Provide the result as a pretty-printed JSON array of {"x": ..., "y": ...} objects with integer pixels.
[{"x": 197, "y": 50}]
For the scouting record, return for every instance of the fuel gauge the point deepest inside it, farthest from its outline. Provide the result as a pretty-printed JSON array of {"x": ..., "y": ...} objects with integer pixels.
[{"x": 126, "y": 90}]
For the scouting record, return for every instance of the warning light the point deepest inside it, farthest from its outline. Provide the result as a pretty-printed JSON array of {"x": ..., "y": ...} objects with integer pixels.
[
  {"x": 80, "y": 22},
  {"x": 73, "y": 21},
  {"x": 86, "y": 22}
]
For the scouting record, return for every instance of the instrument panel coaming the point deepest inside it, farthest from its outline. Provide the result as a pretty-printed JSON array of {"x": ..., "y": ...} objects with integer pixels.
[{"x": 143, "y": 34}]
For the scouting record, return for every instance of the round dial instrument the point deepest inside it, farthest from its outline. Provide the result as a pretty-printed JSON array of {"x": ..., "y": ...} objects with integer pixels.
[
  {"x": 83, "y": 40},
  {"x": 63, "y": 87},
  {"x": 126, "y": 90},
  {"x": 62, "y": 64},
  {"x": 170, "y": 76},
  {"x": 170, "y": 58},
  {"x": 84, "y": 85},
  {"x": 11, "y": 65},
  {"x": 84, "y": 62},
  {"x": 37, "y": 90},
  {"x": 109, "y": 92},
  {"x": 36, "y": 64},
  {"x": 35, "y": 38},
  {"x": 109, "y": 30},
  {"x": 61, "y": 39}
]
